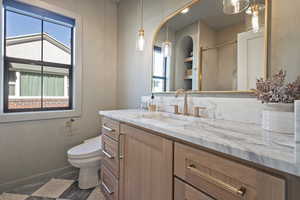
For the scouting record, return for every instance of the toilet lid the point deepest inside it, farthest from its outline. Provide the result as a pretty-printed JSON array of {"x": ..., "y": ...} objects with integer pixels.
[{"x": 88, "y": 149}]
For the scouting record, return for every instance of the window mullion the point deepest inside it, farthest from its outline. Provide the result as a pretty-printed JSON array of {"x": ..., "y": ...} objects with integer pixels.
[
  {"x": 42, "y": 67},
  {"x": 71, "y": 71},
  {"x": 6, "y": 87}
]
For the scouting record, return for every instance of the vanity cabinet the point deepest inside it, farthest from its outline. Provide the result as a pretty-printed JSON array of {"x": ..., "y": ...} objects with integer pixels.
[
  {"x": 142, "y": 165},
  {"x": 146, "y": 165}
]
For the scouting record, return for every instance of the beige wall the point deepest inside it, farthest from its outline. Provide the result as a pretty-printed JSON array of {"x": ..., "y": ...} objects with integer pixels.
[
  {"x": 30, "y": 148},
  {"x": 227, "y": 57},
  {"x": 285, "y": 40},
  {"x": 209, "y": 58},
  {"x": 134, "y": 70}
]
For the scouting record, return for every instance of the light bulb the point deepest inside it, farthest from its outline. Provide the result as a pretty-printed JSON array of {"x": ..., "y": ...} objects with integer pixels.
[
  {"x": 255, "y": 21},
  {"x": 254, "y": 11},
  {"x": 186, "y": 10},
  {"x": 167, "y": 49},
  {"x": 141, "y": 40}
]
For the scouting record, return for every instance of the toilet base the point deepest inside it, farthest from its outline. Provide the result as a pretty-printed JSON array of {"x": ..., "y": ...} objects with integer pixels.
[{"x": 88, "y": 177}]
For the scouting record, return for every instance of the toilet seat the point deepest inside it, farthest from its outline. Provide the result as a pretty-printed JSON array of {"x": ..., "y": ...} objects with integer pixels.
[{"x": 86, "y": 150}]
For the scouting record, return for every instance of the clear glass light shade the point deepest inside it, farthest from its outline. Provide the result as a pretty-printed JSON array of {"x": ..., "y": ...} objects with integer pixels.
[
  {"x": 255, "y": 22},
  {"x": 167, "y": 49},
  {"x": 235, "y": 6},
  {"x": 255, "y": 11},
  {"x": 140, "y": 44}
]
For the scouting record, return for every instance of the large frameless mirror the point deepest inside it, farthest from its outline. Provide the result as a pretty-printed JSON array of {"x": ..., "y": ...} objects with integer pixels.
[{"x": 212, "y": 45}]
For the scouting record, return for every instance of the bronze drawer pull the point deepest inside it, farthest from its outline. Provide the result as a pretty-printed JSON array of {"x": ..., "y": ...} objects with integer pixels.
[
  {"x": 107, "y": 189},
  {"x": 107, "y": 128},
  {"x": 108, "y": 154},
  {"x": 241, "y": 191}
]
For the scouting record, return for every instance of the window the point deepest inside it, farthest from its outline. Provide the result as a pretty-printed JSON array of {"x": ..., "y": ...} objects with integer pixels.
[
  {"x": 38, "y": 59},
  {"x": 159, "y": 78}
]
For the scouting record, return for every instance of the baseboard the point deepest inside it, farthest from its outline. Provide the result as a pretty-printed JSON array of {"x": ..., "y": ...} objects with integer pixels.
[{"x": 35, "y": 178}]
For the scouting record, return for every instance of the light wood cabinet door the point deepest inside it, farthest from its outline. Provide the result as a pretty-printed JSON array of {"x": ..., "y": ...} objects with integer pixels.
[
  {"x": 224, "y": 179},
  {"x": 146, "y": 166},
  {"x": 182, "y": 191}
]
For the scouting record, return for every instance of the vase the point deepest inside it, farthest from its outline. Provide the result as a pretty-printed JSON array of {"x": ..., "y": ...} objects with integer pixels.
[{"x": 279, "y": 117}]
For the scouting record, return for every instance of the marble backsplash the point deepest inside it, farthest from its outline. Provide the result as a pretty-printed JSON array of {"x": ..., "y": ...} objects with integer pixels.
[{"x": 248, "y": 110}]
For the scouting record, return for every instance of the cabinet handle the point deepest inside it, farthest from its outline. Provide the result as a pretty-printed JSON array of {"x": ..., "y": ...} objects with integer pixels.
[
  {"x": 238, "y": 191},
  {"x": 107, "y": 189},
  {"x": 108, "y": 154},
  {"x": 120, "y": 145},
  {"x": 107, "y": 128}
]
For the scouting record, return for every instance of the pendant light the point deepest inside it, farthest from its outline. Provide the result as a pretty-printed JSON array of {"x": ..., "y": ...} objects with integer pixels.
[
  {"x": 235, "y": 6},
  {"x": 254, "y": 11},
  {"x": 141, "y": 33},
  {"x": 167, "y": 45}
]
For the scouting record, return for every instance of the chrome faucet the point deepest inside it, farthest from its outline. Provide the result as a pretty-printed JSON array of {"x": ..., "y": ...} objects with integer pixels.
[{"x": 185, "y": 93}]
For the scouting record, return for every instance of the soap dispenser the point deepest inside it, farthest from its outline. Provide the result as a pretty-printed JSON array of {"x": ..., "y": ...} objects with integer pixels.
[{"x": 152, "y": 107}]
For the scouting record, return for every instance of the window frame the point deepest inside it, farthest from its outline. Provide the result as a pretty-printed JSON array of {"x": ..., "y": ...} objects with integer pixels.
[
  {"x": 76, "y": 109},
  {"x": 165, "y": 62},
  {"x": 40, "y": 63}
]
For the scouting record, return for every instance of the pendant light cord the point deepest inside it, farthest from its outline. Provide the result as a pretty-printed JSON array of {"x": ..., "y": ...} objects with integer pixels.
[
  {"x": 142, "y": 13},
  {"x": 167, "y": 32}
]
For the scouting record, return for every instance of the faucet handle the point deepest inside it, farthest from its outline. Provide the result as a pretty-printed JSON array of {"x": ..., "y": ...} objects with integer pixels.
[
  {"x": 197, "y": 111},
  {"x": 179, "y": 91},
  {"x": 175, "y": 109}
]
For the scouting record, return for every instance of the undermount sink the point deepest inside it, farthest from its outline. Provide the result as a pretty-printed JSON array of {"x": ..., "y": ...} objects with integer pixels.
[
  {"x": 167, "y": 118},
  {"x": 193, "y": 123}
]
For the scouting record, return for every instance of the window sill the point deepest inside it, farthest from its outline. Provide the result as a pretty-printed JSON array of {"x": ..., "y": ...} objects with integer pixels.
[{"x": 36, "y": 116}]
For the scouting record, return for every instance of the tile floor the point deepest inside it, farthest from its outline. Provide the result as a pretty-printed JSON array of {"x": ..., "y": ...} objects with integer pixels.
[{"x": 61, "y": 188}]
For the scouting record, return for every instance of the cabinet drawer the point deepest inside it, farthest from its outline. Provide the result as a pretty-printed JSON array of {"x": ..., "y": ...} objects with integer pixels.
[
  {"x": 184, "y": 191},
  {"x": 109, "y": 184},
  {"x": 223, "y": 179},
  {"x": 110, "y": 149},
  {"x": 111, "y": 128}
]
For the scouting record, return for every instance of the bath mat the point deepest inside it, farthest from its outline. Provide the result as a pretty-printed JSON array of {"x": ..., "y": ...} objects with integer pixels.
[
  {"x": 53, "y": 189},
  {"x": 8, "y": 196},
  {"x": 96, "y": 194}
]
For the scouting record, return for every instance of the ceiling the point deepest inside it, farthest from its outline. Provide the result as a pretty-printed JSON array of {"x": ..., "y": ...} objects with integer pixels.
[{"x": 208, "y": 11}]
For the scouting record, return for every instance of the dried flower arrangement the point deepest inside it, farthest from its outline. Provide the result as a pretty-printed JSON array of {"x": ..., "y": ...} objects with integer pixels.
[{"x": 275, "y": 90}]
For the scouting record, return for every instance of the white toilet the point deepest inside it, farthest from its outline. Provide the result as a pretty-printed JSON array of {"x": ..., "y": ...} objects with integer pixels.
[{"x": 87, "y": 157}]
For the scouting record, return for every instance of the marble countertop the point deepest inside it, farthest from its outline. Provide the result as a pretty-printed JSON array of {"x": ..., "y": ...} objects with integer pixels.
[{"x": 241, "y": 140}]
